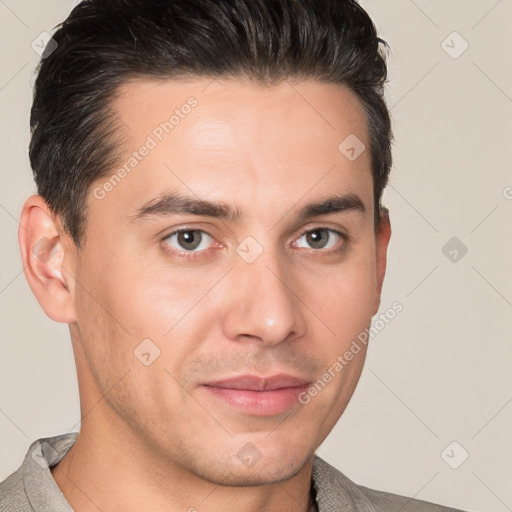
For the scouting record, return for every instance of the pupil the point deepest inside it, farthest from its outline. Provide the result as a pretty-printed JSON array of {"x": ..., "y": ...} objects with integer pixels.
[
  {"x": 185, "y": 239},
  {"x": 315, "y": 237}
]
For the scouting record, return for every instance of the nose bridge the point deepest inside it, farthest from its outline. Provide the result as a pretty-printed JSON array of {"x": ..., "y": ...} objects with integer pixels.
[{"x": 263, "y": 305}]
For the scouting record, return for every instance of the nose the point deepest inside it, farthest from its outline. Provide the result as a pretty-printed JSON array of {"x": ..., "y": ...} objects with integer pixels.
[{"x": 263, "y": 305}]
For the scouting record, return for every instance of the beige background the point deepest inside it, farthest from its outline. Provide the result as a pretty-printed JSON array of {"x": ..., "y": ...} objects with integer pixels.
[{"x": 441, "y": 370}]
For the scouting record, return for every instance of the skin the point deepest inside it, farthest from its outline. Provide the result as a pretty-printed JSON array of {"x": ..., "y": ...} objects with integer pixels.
[{"x": 151, "y": 437}]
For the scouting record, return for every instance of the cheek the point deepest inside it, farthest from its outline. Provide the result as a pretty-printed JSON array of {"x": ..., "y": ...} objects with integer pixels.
[
  {"x": 150, "y": 310},
  {"x": 112, "y": 320},
  {"x": 345, "y": 300},
  {"x": 101, "y": 339},
  {"x": 115, "y": 336},
  {"x": 144, "y": 301}
]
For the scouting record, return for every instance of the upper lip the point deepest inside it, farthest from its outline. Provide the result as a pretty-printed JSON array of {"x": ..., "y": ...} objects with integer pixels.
[{"x": 257, "y": 383}]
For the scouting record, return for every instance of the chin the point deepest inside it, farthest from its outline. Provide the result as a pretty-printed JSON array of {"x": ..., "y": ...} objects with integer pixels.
[
  {"x": 249, "y": 477},
  {"x": 248, "y": 469}
]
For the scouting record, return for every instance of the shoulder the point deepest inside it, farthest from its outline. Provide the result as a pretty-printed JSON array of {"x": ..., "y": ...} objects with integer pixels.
[
  {"x": 12, "y": 493},
  {"x": 337, "y": 492},
  {"x": 32, "y": 487}
]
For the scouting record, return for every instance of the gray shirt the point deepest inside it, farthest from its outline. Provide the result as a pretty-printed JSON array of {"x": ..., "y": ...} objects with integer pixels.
[{"x": 32, "y": 488}]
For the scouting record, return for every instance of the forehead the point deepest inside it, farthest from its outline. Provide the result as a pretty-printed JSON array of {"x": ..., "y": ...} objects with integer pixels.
[
  {"x": 142, "y": 104},
  {"x": 233, "y": 140}
]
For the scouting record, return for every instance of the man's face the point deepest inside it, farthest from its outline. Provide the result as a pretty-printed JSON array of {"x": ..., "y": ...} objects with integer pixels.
[{"x": 267, "y": 300}]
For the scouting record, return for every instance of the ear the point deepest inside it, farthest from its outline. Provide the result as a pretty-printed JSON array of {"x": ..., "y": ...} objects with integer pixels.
[
  {"x": 382, "y": 240},
  {"x": 44, "y": 249}
]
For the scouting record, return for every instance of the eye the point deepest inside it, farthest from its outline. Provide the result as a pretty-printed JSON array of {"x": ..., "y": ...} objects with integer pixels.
[
  {"x": 188, "y": 240},
  {"x": 191, "y": 243},
  {"x": 323, "y": 238}
]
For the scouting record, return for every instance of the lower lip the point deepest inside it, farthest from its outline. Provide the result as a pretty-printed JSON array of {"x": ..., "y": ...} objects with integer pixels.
[{"x": 259, "y": 403}]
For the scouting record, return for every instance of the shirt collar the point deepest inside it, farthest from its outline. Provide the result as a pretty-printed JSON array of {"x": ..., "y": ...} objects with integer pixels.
[
  {"x": 335, "y": 492},
  {"x": 40, "y": 486}
]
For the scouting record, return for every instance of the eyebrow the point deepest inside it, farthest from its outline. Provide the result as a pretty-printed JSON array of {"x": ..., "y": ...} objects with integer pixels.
[{"x": 175, "y": 203}]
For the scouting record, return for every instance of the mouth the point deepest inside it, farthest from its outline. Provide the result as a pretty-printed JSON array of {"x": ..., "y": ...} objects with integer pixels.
[{"x": 258, "y": 396}]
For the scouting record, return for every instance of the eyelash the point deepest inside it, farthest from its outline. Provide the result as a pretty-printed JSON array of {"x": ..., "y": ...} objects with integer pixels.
[{"x": 199, "y": 254}]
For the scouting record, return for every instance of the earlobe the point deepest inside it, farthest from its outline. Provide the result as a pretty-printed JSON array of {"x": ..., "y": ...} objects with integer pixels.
[
  {"x": 42, "y": 252},
  {"x": 382, "y": 241}
]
